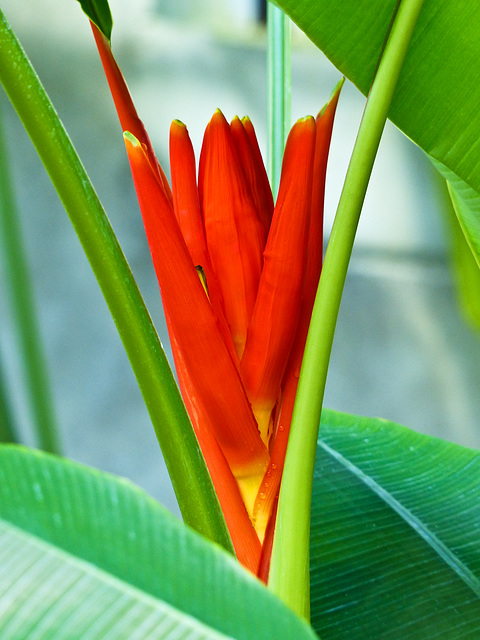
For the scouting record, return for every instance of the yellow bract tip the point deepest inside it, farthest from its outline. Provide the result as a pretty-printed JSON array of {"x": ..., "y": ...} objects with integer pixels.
[{"x": 129, "y": 137}]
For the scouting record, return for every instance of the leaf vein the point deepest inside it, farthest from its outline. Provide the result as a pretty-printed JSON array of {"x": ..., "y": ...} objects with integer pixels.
[{"x": 420, "y": 527}]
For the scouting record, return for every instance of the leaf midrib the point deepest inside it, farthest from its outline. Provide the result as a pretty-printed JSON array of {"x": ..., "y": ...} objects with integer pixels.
[{"x": 434, "y": 542}]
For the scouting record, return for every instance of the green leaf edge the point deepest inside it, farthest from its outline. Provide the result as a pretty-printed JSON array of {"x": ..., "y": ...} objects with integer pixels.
[{"x": 98, "y": 11}]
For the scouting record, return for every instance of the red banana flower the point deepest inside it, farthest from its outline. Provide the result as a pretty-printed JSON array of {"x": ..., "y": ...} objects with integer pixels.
[{"x": 238, "y": 277}]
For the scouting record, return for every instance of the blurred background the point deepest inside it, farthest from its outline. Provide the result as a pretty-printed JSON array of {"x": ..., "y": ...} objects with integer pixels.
[{"x": 402, "y": 351}]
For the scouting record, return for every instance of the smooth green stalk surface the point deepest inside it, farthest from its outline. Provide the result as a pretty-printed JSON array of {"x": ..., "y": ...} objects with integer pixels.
[
  {"x": 187, "y": 469},
  {"x": 22, "y": 303},
  {"x": 279, "y": 90},
  {"x": 289, "y": 574},
  {"x": 7, "y": 429}
]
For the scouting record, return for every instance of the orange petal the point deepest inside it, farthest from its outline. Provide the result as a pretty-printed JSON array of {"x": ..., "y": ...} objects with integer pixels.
[
  {"x": 267, "y": 546},
  {"x": 186, "y": 205},
  {"x": 275, "y": 317},
  {"x": 270, "y": 487},
  {"x": 126, "y": 111},
  {"x": 254, "y": 169},
  {"x": 267, "y": 196},
  {"x": 234, "y": 235},
  {"x": 195, "y": 327},
  {"x": 324, "y": 124},
  {"x": 185, "y": 193},
  {"x": 244, "y": 538}
]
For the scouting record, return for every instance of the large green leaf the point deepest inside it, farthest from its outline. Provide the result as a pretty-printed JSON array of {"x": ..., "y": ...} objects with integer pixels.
[
  {"x": 436, "y": 101},
  {"x": 80, "y": 547},
  {"x": 438, "y": 93},
  {"x": 46, "y": 593},
  {"x": 395, "y": 547}
]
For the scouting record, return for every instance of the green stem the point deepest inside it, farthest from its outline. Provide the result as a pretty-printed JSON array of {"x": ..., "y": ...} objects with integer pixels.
[
  {"x": 279, "y": 90},
  {"x": 190, "y": 478},
  {"x": 24, "y": 312},
  {"x": 289, "y": 574},
  {"x": 7, "y": 430}
]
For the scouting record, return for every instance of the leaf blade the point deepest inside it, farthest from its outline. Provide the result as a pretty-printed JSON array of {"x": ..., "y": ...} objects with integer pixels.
[
  {"x": 438, "y": 90},
  {"x": 407, "y": 564},
  {"x": 72, "y": 596},
  {"x": 111, "y": 525}
]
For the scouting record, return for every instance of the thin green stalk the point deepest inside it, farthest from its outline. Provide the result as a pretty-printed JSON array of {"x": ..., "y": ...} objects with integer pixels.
[
  {"x": 7, "y": 429},
  {"x": 190, "y": 478},
  {"x": 22, "y": 303},
  {"x": 289, "y": 574},
  {"x": 279, "y": 90}
]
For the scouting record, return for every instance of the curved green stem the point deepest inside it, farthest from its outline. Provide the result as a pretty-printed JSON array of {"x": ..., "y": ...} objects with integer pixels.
[
  {"x": 190, "y": 478},
  {"x": 24, "y": 313},
  {"x": 279, "y": 90},
  {"x": 289, "y": 573}
]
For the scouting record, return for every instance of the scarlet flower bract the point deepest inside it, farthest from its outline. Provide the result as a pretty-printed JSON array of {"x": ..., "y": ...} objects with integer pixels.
[{"x": 238, "y": 277}]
